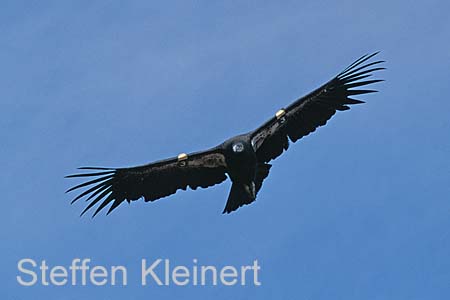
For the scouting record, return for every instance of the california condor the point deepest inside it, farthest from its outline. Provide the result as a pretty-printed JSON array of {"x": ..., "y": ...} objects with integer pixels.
[{"x": 244, "y": 158}]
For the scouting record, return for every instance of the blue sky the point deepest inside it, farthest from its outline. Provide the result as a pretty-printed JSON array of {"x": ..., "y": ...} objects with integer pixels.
[{"x": 357, "y": 210}]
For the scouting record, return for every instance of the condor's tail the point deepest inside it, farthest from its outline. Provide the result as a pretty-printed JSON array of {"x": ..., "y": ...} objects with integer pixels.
[{"x": 243, "y": 194}]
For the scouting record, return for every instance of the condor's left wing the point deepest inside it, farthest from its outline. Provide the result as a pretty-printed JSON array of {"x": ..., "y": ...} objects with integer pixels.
[{"x": 313, "y": 110}]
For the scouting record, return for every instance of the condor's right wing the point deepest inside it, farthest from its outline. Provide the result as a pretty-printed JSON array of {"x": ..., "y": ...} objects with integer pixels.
[{"x": 152, "y": 181}]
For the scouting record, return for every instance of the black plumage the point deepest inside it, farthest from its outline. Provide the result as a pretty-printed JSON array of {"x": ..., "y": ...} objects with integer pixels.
[{"x": 243, "y": 158}]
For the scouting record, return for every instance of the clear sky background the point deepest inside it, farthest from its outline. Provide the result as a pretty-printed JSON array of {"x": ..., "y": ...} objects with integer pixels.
[{"x": 358, "y": 210}]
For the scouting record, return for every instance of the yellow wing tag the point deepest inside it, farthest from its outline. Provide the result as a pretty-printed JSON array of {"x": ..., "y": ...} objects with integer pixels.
[
  {"x": 182, "y": 156},
  {"x": 280, "y": 114}
]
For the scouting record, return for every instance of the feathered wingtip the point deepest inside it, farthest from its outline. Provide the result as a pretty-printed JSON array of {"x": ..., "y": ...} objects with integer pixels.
[
  {"x": 358, "y": 70},
  {"x": 352, "y": 77},
  {"x": 102, "y": 188}
]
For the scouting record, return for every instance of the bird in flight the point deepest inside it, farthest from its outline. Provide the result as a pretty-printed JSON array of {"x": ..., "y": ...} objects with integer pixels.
[{"x": 244, "y": 158}]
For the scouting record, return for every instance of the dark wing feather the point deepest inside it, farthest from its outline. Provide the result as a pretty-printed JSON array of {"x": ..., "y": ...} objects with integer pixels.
[
  {"x": 313, "y": 110},
  {"x": 151, "y": 181}
]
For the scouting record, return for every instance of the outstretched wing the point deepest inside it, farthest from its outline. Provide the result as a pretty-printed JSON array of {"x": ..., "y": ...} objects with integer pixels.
[
  {"x": 313, "y": 110},
  {"x": 152, "y": 181}
]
